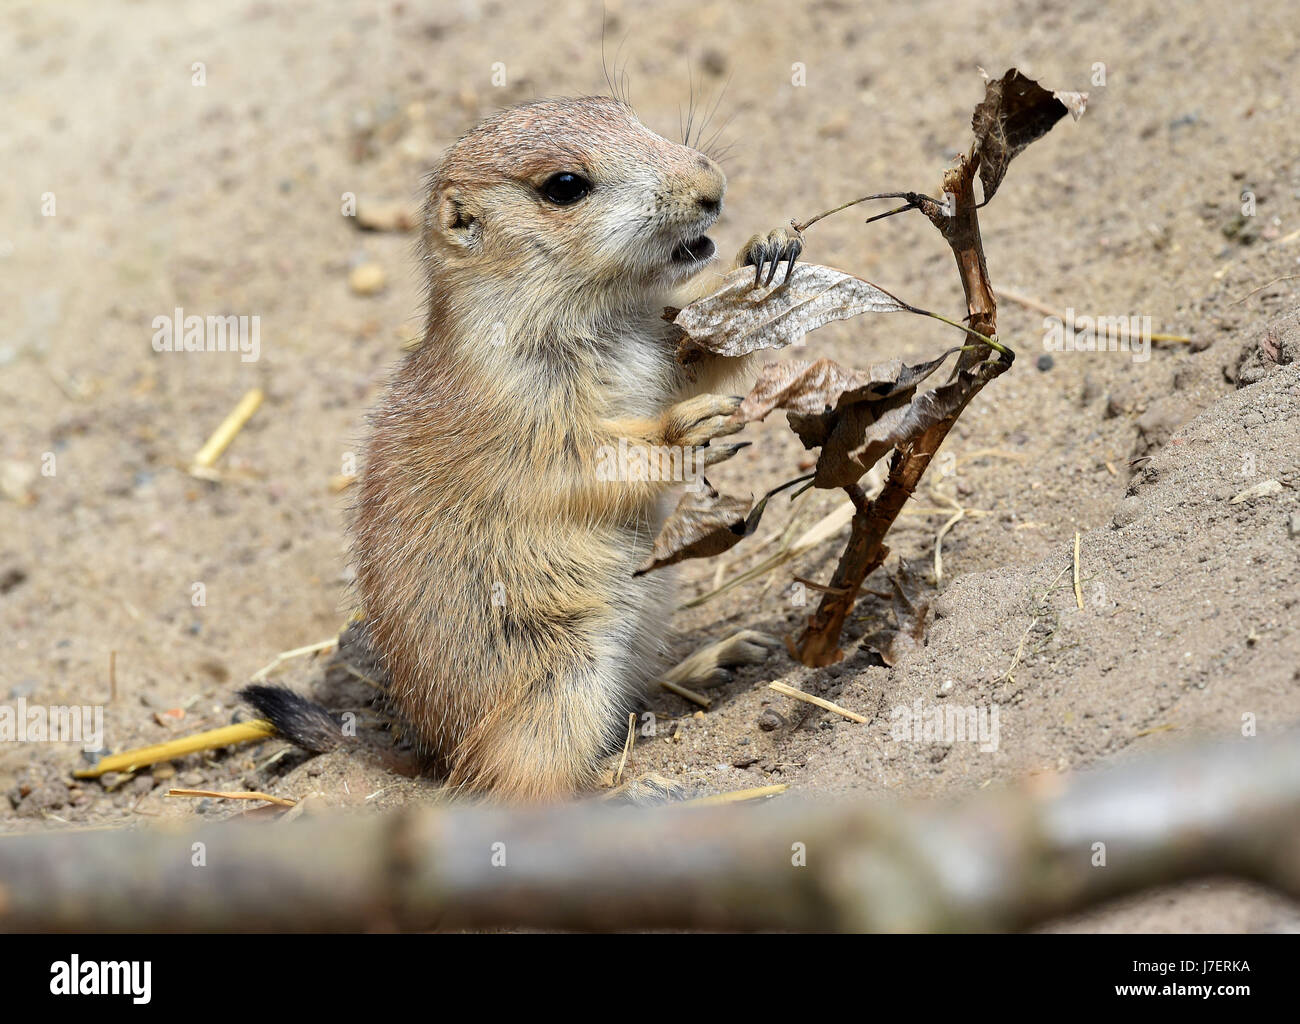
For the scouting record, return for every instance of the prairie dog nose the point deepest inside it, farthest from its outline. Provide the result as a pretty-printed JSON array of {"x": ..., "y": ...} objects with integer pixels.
[{"x": 710, "y": 184}]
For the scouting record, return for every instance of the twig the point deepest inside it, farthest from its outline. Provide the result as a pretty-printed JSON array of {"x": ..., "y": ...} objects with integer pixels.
[
  {"x": 1284, "y": 277},
  {"x": 298, "y": 652},
  {"x": 239, "y": 795},
  {"x": 812, "y": 585},
  {"x": 914, "y": 201},
  {"x": 226, "y": 736},
  {"x": 1042, "y": 307},
  {"x": 821, "y": 702},
  {"x": 685, "y": 694},
  {"x": 819, "y": 644},
  {"x": 1078, "y": 586},
  {"x": 736, "y": 796},
  {"x": 1227, "y": 810},
  {"x": 230, "y": 426},
  {"x": 957, "y": 517}
]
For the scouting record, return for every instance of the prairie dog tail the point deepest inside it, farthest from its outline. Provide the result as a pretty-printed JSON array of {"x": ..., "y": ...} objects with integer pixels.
[{"x": 299, "y": 720}]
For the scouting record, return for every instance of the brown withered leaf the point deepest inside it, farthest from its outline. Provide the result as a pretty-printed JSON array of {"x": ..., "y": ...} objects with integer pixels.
[
  {"x": 705, "y": 523},
  {"x": 1015, "y": 111},
  {"x": 911, "y": 603},
  {"x": 857, "y": 436},
  {"x": 741, "y": 318},
  {"x": 808, "y": 389}
]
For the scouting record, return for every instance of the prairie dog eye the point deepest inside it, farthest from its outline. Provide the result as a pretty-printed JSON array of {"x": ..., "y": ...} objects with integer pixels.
[{"x": 565, "y": 188}]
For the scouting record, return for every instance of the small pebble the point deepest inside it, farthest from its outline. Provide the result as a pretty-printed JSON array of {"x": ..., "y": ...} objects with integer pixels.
[
  {"x": 770, "y": 720},
  {"x": 1045, "y": 362},
  {"x": 367, "y": 279}
]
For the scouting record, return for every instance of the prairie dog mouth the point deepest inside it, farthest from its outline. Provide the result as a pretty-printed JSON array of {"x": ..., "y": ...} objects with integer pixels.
[{"x": 695, "y": 250}]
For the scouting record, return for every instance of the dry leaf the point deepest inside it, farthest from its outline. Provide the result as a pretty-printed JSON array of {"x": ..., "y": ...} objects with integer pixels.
[
  {"x": 1014, "y": 112},
  {"x": 705, "y": 523},
  {"x": 857, "y": 436},
  {"x": 1270, "y": 347},
  {"x": 741, "y": 318},
  {"x": 911, "y": 603},
  {"x": 809, "y": 389}
]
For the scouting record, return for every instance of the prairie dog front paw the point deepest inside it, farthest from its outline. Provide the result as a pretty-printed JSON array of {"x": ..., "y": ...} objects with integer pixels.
[
  {"x": 697, "y": 421},
  {"x": 782, "y": 245}
]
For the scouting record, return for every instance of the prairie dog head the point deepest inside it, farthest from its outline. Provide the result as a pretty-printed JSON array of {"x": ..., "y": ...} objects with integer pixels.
[{"x": 573, "y": 199}]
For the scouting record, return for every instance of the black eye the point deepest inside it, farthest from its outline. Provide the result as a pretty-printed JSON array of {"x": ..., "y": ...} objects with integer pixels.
[{"x": 564, "y": 188}]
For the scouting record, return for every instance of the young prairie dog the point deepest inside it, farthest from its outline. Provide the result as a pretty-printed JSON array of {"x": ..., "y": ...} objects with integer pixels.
[{"x": 494, "y": 563}]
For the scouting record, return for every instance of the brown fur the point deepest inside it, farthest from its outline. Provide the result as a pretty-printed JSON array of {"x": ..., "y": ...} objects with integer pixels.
[{"x": 543, "y": 342}]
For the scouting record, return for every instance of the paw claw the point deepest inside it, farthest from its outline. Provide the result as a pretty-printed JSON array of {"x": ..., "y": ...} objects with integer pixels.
[{"x": 776, "y": 247}]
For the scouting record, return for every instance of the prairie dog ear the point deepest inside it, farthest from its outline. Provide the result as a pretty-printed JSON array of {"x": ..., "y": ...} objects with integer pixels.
[{"x": 453, "y": 220}]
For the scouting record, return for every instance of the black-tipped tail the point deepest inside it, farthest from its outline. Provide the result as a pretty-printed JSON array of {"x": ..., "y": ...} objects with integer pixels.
[{"x": 302, "y": 722}]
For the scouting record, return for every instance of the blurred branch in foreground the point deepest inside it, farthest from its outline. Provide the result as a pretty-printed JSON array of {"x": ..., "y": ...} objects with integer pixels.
[{"x": 990, "y": 861}]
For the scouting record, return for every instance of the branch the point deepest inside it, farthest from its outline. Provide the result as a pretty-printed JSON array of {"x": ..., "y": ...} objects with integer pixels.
[
  {"x": 866, "y": 551},
  {"x": 992, "y": 861}
]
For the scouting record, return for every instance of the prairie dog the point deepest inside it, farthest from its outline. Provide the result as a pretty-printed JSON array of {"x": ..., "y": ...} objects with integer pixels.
[{"x": 494, "y": 564}]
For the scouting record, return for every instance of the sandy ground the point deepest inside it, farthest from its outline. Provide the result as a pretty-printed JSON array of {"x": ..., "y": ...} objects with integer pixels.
[{"x": 135, "y": 191}]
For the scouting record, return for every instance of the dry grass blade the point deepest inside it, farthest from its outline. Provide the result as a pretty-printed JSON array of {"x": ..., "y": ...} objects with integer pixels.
[
  {"x": 824, "y": 529},
  {"x": 736, "y": 796},
  {"x": 237, "y": 795},
  {"x": 298, "y": 652},
  {"x": 628, "y": 742},
  {"x": 1041, "y": 307},
  {"x": 821, "y": 702}
]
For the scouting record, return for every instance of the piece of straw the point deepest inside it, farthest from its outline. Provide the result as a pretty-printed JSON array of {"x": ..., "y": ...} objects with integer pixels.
[
  {"x": 241, "y": 795},
  {"x": 230, "y": 426},
  {"x": 227, "y": 735},
  {"x": 736, "y": 796},
  {"x": 821, "y": 702}
]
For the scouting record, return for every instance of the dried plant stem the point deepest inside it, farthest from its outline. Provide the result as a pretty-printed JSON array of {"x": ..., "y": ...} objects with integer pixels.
[
  {"x": 230, "y": 426},
  {"x": 821, "y": 702},
  {"x": 685, "y": 694},
  {"x": 227, "y": 735},
  {"x": 298, "y": 652},
  {"x": 215, "y": 794},
  {"x": 1042, "y": 307},
  {"x": 1078, "y": 583},
  {"x": 866, "y": 551},
  {"x": 914, "y": 201},
  {"x": 738, "y": 796}
]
